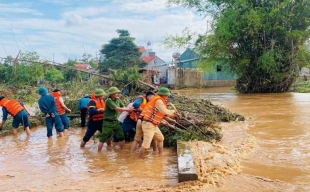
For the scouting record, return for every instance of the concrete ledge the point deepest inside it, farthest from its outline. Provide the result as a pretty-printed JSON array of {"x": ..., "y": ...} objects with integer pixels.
[{"x": 186, "y": 168}]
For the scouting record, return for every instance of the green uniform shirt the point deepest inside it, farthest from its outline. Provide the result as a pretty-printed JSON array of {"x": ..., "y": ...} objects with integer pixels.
[{"x": 110, "y": 105}]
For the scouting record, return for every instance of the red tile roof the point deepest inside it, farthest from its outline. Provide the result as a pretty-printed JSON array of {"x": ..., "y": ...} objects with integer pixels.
[
  {"x": 82, "y": 65},
  {"x": 142, "y": 49},
  {"x": 148, "y": 59}
]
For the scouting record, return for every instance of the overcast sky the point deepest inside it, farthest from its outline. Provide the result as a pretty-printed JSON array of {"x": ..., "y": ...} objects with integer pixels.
[{"x": 66, "y": 29}]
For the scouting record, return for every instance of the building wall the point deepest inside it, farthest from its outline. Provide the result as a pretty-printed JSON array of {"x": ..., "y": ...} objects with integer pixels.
[
  {"x": 159, "y": 65},
  {"x": 189, "y": 59},
  {"x": 185, "y": 77}
]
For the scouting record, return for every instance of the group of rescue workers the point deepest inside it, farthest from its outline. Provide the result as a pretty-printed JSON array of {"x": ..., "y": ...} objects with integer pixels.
[{"x": 138, "y": 121}]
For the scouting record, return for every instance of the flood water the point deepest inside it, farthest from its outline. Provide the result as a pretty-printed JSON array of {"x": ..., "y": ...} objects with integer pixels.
[
  {"x": 41, "y": 164},
  {"x": 280, "y": 125},
  {"x": 279, "y": 161}
]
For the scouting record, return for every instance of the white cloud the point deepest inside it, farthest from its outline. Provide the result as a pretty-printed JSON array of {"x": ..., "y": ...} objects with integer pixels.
[
  {"x": 17, "y": 8},
  {"x": 139, "y": 6},
  {"x": 60, "y": 2},
  {"x": 74, "y": 20},
  {"x": 87, "y": 11},
  {"x": 81, "y": 29}
]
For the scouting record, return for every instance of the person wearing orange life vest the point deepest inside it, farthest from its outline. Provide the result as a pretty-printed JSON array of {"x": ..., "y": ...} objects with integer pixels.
[
  {"x": 62, "y": 108},
  {"x": 96, "y": 107},
  {"x": 130, "y": 121},
  {"x": 18, "y": 111},
  {"x": 139, "y": 105},
  {"x": 154, "y": 112}
]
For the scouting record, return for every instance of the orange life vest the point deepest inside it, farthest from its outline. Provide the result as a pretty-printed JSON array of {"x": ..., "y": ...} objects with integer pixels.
[
  {"x": 12, "y": 106},
  {"x": 99, "y": 104},
  {"x": 151, "y": 113},
  {"x": 59, "y": 107},
  {"x": 136, "y": 115}
]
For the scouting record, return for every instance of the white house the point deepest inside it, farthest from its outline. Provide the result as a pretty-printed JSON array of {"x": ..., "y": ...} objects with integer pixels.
[{"x": 153, "y": 61}]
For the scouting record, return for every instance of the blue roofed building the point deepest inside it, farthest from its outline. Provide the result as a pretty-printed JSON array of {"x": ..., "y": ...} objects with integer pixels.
[{"x": 216, "y": 78}]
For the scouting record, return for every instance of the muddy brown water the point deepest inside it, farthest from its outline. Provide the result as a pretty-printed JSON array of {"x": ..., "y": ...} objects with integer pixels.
[
  {"x": 279, "y": 161},
  {"x": 39, "y": 164},
  {"x": 280, "y": 125}
]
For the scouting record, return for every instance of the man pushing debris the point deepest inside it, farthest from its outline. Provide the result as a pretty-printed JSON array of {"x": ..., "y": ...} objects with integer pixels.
[{"x": 153, "y": 113}]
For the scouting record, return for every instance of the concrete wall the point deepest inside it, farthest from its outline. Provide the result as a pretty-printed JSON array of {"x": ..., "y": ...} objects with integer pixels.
[
  {"x": 185, "y": 77},
  {"x": 171, "y": 76},
  {"x": 194, "y": 78}
]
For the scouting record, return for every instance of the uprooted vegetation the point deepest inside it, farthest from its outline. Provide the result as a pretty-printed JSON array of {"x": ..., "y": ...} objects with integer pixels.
[{"x": 200, "y": 118}]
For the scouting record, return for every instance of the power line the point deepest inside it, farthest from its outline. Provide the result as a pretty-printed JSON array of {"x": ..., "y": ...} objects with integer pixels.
[
  {"x": 29, "y": 43},
  {"x": 14, "y": 37},
  {"x": 4, "y": 49}
]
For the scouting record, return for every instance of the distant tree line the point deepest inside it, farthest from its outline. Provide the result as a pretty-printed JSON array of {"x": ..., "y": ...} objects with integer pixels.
[
  {"x": 30, "y": 70},
  {"x": 119, "y": 54}
]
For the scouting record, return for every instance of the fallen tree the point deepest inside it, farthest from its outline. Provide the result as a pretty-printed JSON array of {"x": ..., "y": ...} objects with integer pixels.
[{"x": 200, "y": 118}]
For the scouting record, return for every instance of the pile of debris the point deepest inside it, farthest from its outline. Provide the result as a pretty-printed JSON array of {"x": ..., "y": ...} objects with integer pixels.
[{"x": 200, "y": 119}]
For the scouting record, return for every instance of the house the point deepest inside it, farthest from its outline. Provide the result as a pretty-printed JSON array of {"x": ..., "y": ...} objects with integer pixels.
[
  {"x": 187, "y": 65},
  {"x": 83, "y": 66},
  {"x": 153, "y": 61}
]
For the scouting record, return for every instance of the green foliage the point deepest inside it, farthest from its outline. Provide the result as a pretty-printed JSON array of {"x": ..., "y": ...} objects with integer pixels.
[
  {"x": 79, "y": 89},
  {"x": 71, "y": 62},
  {"x": 28, "y": 57},
  {"x": 54, "y": 76},
  {"x": 26, "y": 96},
  {"x": 301, "y": 87},
  {"x": 26, "y": 71},
  {"x": 3, "y": 69},
  {"x": 128, "y": 79},
  {"x": 69, "y": 72},
  {"x": 121, "y": 53},
  {"x": 261, "y": 42},
  {"x": 28, "y": 74},
  {"x": 183, "y": 40}
]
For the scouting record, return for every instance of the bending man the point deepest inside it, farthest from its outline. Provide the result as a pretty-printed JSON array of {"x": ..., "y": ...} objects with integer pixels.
[
  {"x": 96, "y": 109},
  {"x": 153, "y": 113},
  {"x": 18, "y": 111},
  {"x": 110, "y": 123}
]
